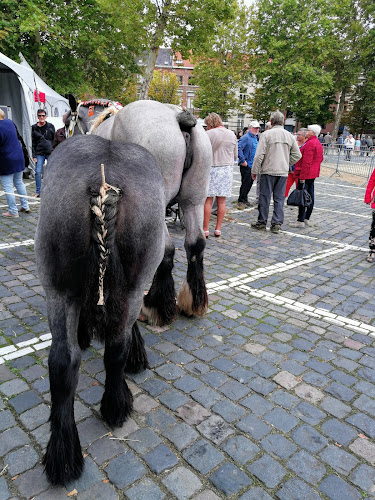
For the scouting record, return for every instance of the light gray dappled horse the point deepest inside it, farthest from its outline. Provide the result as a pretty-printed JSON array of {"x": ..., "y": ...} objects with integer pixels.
[
  {"x": 183, "y": 152},
  {"x": 98, "y": 245}
]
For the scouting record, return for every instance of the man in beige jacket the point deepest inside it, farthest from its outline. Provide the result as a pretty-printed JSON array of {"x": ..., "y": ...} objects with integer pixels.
[{"x": 277, "y": 150}]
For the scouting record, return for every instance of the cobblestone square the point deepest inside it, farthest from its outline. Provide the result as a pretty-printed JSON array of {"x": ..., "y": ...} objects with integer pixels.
[{"x": 270, "y": 396}]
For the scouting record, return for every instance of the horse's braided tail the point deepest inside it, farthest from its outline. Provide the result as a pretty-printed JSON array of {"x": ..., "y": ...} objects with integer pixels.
[
  {"x": 104, "y": 207},
  {"x": 186, "y": 122}
]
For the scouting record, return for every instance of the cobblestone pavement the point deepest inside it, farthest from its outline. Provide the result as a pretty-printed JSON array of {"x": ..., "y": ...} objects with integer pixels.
[{"x": 271, "y": 395}]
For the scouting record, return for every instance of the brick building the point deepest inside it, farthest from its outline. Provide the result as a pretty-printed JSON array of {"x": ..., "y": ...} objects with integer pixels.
[{"x": 183, "y": 69}]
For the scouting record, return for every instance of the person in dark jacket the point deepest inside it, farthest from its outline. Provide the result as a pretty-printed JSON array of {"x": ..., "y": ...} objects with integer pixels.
[
  {"x": 42, "y": 134},
  {"x": 12, "y": 163},
  {"x": 61, "y": 133}
]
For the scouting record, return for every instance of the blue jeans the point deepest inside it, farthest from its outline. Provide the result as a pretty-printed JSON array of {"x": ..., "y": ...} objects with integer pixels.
[
  {"x": 7, "y": 181},
  {"x": 39, "y": 171},
  {"x": 272, "y": 185}
]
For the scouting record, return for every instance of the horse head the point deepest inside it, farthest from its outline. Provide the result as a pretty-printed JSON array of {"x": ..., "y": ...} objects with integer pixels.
[{"x": 81, "y": 120}]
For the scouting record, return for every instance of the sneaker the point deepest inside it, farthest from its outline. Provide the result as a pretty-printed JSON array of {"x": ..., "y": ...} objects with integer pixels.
[
  {"x": 297, "y": 224},
  {"x": 25, "y": 210},
  {"x": 9, "y": 214},
  {"x": 307, "y": 222},
  {"x": 241, "y": 206},
  {"x": 258, "y": 225},
  {"x": 275, "y": 228}
]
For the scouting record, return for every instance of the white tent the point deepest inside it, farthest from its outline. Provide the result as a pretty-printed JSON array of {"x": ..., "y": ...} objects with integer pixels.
[{"x": 17, "y": 85}]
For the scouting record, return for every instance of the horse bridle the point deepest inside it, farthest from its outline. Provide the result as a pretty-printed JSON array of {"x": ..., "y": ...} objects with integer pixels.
[
  {"x": 74, "y": 115},
  {"x": 74, "y": 121}
]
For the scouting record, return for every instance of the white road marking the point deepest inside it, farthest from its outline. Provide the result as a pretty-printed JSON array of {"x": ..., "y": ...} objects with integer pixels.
[{"x": 5, "y": 246}]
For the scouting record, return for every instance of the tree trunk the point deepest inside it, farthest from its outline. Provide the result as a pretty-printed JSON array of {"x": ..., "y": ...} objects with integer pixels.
[
  {"x": 149, "y": 71},
  {"x": 338, "y": 116},
  {"x": 38, "y": 64},
  {"x": 153, "y": 54}
]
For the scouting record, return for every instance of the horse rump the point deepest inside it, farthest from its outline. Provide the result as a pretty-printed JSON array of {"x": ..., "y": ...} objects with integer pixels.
[{"x": 99, "y": 241}]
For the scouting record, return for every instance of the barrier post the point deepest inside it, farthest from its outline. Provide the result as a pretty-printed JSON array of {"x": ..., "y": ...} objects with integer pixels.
[{"x": 338, "y": 162}]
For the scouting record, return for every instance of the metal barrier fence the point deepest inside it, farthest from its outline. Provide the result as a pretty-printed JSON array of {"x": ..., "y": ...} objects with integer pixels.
[{"x": 360, "y": 163}]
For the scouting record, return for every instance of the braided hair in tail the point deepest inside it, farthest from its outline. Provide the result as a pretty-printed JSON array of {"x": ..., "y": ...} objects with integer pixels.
[{"x": 103, "y": 205}]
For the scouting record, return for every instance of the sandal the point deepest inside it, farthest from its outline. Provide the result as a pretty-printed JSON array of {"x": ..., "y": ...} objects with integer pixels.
[
  {"x": 206, "y": 233},
  {"x": 217, "y": 233},
  {"x": 370, "y": 257}
]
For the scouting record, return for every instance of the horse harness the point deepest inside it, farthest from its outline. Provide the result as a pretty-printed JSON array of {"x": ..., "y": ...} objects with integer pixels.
[{"x": 74, "y": 120}]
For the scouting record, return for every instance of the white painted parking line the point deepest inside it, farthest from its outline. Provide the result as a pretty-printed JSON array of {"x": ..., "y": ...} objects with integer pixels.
[
  {"x": 273, "y": 269},
  {"x": 319, "y": 240},
  {"x": 297, "y": 306},
  {"x": 343, "y": 213},
  {"x": 26, "y": 347},
  {"x": 5, "y": 246}
]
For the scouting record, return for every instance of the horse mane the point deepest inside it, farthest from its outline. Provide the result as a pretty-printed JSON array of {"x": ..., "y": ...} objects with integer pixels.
[{"x": 107, "y": 113}]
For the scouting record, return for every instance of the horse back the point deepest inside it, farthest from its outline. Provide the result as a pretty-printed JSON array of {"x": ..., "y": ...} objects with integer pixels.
[{"x": 66, "y": 253}]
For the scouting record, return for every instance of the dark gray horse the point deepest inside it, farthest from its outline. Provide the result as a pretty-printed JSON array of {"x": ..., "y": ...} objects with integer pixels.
[
  {"x": 98, "y": 244},
  {"x": 183, "y": 152},
  {"x": 82, "y": 115}
]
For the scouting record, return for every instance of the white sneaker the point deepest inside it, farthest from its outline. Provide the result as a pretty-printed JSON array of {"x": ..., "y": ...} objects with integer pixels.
[
  {"x": 307, "y": 222},
  {"x": 297, "y": 224}
]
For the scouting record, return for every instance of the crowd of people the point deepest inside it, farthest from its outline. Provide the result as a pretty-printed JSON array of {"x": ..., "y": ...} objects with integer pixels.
[{"x": 275, "y": 159}]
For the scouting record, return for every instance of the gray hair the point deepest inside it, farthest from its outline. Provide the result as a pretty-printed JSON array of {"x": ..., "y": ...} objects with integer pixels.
[
  {"x": 315, "y": 128},
  {"x": 268, "y": 126},
  {"x": 277, "y": 118},
  {"x": 303, "y": 130}
]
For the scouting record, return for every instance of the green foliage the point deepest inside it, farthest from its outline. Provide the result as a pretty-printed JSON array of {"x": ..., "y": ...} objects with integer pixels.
[
  {"x": 289, "y": 64},
  {"x": 221, "y": 71},
  {"x": 70, "y": 43},
  {"x": 310, "y": 52},
  {"x": 187, "y": 26},
  {"x": 164, "y": 87}
]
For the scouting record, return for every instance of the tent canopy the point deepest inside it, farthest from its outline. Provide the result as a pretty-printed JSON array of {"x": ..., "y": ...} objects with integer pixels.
[{"x": 17, "y": 85}]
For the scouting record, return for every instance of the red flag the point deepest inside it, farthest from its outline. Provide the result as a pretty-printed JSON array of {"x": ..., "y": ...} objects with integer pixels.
[{"x": 42, "y": 96}]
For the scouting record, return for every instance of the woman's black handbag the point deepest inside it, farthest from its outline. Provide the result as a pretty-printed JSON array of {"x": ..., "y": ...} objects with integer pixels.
[{"x": 299, "y": 198}]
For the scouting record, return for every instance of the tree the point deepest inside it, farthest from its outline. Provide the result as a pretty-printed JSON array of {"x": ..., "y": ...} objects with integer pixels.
[
  {"x": 289, "y": 63},
  {"x": 187, "y": 26},
  {"x": 359, "y": 115},
  {"x": 70, "y": 43},
  {"x": 164, "y": 87},
  {"x": 221, "y": 71}
]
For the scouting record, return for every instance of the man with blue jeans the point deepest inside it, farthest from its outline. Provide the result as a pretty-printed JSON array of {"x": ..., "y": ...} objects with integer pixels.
[
  {"x": 12, "y": 163},
  {"x": 42, "y": 134},
  {"x": 247, "y": 147}
]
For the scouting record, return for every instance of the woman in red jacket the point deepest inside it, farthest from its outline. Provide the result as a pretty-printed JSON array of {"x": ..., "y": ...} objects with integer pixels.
[
  {"x": 370, "y": 198},
  {"x": 307, "y": 169}
]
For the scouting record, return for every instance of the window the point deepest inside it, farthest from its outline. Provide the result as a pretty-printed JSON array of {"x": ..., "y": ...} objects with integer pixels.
[
  {"x": 190, "y": 100},
  {"x": 240, "y": 121},
  {"x": 180, "y": 79},
  {"x": 190, "y": 80},
  {"x": 243, "y": 95}
]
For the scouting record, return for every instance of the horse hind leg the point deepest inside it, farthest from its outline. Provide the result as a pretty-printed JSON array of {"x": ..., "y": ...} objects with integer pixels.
[
  {"x": 63, "y": 459},
  {"x": 136, "y": 360},
  {"x": 117, "y": 400},
  {"x": 159, "y": 305},
  {"x": 192, "y": 298}
]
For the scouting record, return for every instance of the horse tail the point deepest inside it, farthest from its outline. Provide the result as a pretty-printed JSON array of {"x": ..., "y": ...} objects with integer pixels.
[
  {"x": 103, "y": 256},
  {"x": 187, "y": 122},
  {"x": 103, "y": 205},
  {"x": 104, "y": 115}
]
